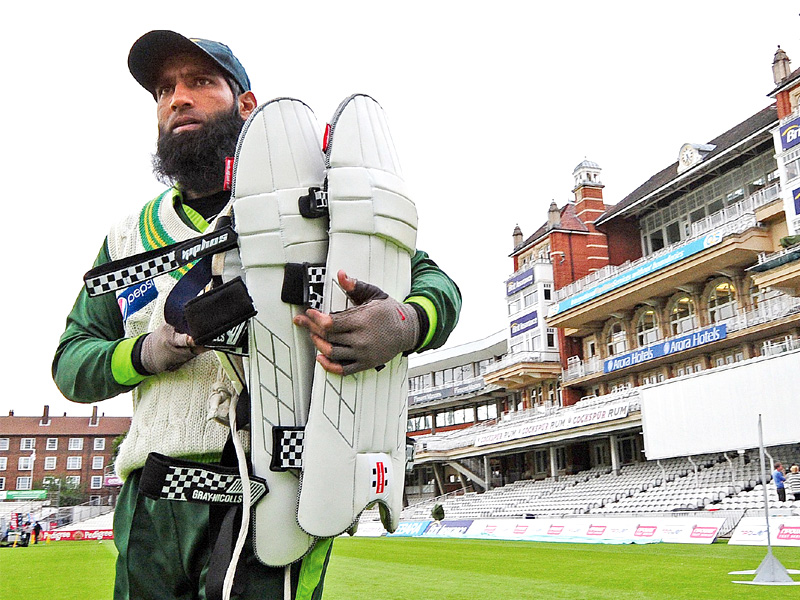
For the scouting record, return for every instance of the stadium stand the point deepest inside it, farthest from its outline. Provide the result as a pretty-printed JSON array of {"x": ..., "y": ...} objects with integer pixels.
[{"x": 705, "y": 482}]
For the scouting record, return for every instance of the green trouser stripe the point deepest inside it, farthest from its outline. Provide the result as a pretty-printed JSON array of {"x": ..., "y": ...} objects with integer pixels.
[
  {"x": 430, "y": 310},
  {"x": 312, "y": 569}
]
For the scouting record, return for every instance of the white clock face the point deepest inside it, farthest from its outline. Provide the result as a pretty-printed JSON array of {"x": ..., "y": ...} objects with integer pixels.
[{"x": 687, "y": 156}]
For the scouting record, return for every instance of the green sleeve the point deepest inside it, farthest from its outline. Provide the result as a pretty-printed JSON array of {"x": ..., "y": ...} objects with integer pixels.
[
  {"x": 92, "y": 361},
  {"x": 439, "y": 297}
]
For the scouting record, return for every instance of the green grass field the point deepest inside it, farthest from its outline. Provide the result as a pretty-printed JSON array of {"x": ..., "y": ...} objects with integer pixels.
[{"x": 432, "y": 569}]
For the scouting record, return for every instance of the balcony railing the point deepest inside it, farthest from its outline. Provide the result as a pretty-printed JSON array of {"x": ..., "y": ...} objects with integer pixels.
[
  {"x": 520, "y": 357},
  {"x": 465, "y": 438},
  {"x": 770, "y": 309},
  {"x": 735, "y": 219}
]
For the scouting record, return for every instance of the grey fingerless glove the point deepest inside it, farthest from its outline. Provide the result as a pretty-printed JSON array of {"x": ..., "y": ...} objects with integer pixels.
[
  {"x": 163, "y": 350},
  {"x": 374, "y": 332}
]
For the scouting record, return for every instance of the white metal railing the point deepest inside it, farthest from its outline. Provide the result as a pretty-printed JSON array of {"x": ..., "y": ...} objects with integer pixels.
[
  {"x": 789, "y": 343},
  {"x": 577, "y": 368},
  {"x": 734, "y": 219},
  {"x": 769, "y": 309},
  {"x": 764, "y": 257},
  {"x": 549, "y": 407},
  {"x": 444, "y": 386},
  {"x": 520, "y": 357}
]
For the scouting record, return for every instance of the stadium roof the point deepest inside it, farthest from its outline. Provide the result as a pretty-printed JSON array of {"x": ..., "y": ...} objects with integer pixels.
[{"x": 739, "y": 135}]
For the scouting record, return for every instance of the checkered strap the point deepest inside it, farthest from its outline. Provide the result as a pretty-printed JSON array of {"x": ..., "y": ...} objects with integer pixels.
[
  {"x": 303, "y": 284},
  {"x": 120, "y": 274},
  {"x": 166, "y": 478},
  {"x": 287, "y": 448}
]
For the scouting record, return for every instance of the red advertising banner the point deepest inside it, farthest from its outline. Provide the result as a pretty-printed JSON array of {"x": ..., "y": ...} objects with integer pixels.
[{"x": 78, "y": 534}]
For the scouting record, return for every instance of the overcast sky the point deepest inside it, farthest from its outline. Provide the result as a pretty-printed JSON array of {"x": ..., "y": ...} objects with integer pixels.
[{"x": 490, "y": 108}]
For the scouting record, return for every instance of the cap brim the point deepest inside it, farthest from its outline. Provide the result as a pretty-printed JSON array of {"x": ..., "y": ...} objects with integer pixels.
[{"x": 149, "y": 52}]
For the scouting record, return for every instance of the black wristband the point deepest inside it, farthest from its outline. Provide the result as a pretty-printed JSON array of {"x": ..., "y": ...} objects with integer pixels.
[
  {"x": 136, "y": 356},
  {"x": 424, "y": 325}
]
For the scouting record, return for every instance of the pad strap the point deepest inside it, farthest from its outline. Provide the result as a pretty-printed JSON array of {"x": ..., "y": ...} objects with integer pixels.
[
  {"x": 303, "y": 284},
  {"x": 166, "y": 478},
  {"x": 123, "y": 273},
  {"x": 287, "y": 448}
]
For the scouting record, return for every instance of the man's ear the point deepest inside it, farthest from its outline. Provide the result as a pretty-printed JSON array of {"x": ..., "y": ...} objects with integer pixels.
[{"x": 247, "y": 104}]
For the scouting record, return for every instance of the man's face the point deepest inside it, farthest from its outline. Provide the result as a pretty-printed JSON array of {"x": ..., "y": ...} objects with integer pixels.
[{"x": 191, "y": 89}]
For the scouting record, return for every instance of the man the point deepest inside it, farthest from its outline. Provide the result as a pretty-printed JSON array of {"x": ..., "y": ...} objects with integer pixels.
[
  {"x": 114, "y": 345},
  {"x": 778, "y": 478}
]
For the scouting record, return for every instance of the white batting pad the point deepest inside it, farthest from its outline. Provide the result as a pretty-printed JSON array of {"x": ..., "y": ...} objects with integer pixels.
[
  {"x": 277, "y": 159},
  {"x": 354, "y": 451}
]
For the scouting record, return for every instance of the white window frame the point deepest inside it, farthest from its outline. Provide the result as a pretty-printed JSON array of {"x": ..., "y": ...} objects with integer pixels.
[
  {"x": 52, "y": 444},
  {"x": 75, "y": 444},
  {"x": 72, "y": 481},
  {"x": 50, "y": 463},
  {"x": 25, "y": 463},
  {"x": 97, "y": 462},
  {"x": 24, "y": 483},
  {"x": 72, "y": 460},
  {"x": 99, "y": 443},
  {"x": 3, "y": 463},
  {"x": 4, "y": 444},
  {"x": 97, "y": 482},
  {"x": 2, "y": 483},
  {"x": 27, "y": 443}
]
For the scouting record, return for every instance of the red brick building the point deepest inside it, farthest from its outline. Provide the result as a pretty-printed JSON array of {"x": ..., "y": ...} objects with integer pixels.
[{"x": 59, "y": 452}]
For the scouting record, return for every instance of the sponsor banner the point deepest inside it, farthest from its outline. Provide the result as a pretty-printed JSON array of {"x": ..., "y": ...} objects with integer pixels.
[
  {"x": 519, "y": 281},
  {"x": 565, "y": 419},
  {"x": 796, "y": 197},
  {"x": 23, "y": 495},
  {"x": 369, "y": 529},
  {"x": 449, "y": 528},
  {"x": 752, "y": 531},
  {"x": 78, "y": 534},
  {"x": 446, "y": 391},
  {"x": 790, "y": 134},
  {"x": 600, "y": 530},
  {"x": 685, "y": 342},
  {"x": 112, "y": 481},
  {"x": 524, "y": 323},
  {"x": 410, "y": 529},
  {"x": 643, "y": 270}
]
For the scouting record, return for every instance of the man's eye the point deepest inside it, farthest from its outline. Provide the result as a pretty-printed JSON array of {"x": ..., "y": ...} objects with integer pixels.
[
  {"x": 162, "y": 92},
  {"x": 202, "y": 81}
]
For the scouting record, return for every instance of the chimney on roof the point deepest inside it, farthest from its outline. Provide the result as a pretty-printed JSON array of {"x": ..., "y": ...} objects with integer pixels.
[
  {"x": 45, "y": 415},
  {"x": 553, "y": 215},
  {"x": 11, "y": 413},
  {"x": 781, "y": 66},
  {"x": 517, "y": 236},
  {"x": 93, "y": 420}
]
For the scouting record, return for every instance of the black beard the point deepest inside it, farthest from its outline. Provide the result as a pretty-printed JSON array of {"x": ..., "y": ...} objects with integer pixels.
[{"x": 195, "y": 160}]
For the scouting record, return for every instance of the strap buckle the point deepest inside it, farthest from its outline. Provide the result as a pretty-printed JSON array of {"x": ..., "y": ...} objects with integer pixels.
[{"x": 314, "y": 204}]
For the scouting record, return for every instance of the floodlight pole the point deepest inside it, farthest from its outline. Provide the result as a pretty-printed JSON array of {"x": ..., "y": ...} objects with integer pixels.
[
  {"x": 761, "y": 454},
  {"x": 770, "y": 571}
]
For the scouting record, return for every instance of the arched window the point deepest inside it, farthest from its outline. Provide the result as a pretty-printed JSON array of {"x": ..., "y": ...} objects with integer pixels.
[
  {"x": 616, "y": 342},
  {"x": 682, "y": 316},
  {"x": 647, "y": 328},
  {"x": 722, "y": 302}
]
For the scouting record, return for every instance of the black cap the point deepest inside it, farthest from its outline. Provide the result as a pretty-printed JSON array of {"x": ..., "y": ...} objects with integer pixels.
[{"x": 150, "y": 51}]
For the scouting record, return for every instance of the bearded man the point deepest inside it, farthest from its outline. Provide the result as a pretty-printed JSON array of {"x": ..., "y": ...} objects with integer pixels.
[{"x": 115, "y": 345}]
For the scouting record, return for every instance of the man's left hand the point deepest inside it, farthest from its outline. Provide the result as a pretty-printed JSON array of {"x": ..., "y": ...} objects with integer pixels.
[{"x": 365, "y": 336}]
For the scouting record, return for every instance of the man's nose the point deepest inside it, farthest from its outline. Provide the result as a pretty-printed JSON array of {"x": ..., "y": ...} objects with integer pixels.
[{"x": 181, "y": 96}]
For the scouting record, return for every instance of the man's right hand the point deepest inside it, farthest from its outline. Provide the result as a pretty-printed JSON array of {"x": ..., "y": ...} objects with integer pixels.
[{"x": 166, "y": 350}]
